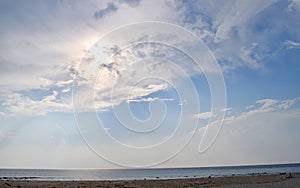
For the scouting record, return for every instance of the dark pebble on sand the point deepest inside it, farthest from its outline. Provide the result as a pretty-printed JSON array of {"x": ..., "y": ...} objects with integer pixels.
[{"x": 8, "y": 184}]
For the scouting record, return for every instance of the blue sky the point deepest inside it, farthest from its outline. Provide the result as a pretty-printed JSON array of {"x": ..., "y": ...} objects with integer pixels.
[{"x": 49, "y": 46}]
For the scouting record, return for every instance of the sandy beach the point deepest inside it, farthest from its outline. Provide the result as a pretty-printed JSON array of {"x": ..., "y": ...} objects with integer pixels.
[{"x": 279, "y": 180}]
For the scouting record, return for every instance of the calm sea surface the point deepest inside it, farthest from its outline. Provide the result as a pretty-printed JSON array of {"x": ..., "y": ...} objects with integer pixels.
[{"x": 166, "y": 173}]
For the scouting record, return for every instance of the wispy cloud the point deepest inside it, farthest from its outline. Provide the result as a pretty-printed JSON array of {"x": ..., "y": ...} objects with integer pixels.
[
  {"x": 293, "y": 5},
  {"x": 36, "y": 58},
  {"x": 131, "y": 3},
  {"x": 132, "y": 74},
  {"x": 63, "y": 83},
  {"x": 249, "y": 56},
  {"x": 228, "y": 24},
  {"x": 113, "y": 7},
  {"x": 263, "y": 106},
  {"x": 110, "y": 8},
  {"x": 225, "y": 109},
  {"x": 18, "y": 104},
  {"x": 204, "y": 115},
  {"x": 292, "y": 44},
  {"x": 260, "y": 107},
  {"x": 149, "y": 99}
]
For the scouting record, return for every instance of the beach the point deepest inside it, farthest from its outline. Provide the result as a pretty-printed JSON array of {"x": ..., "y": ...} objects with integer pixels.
[{"x": 256, "y": 180}]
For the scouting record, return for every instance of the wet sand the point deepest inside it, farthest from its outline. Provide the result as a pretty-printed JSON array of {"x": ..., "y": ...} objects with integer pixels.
[{"x": 279, "y": 180}]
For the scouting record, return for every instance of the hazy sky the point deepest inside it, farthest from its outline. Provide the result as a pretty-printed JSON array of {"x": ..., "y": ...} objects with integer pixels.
[{"x": 70, "y": 70}]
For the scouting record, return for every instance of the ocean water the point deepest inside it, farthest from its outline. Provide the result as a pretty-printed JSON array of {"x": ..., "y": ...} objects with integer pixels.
[{"x": 131, "y": 174}]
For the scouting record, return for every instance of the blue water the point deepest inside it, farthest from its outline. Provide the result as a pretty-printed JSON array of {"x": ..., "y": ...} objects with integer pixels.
[{"x": 125, "y": 174}]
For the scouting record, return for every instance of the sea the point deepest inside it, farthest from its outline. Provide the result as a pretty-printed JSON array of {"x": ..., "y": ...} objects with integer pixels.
[{"x": 150, "y": 173}]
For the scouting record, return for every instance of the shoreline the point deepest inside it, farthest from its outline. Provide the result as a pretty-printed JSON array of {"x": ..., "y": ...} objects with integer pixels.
[{"x": 261, "y": 180}]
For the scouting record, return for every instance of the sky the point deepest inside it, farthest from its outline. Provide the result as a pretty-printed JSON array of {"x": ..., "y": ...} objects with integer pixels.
[{"x": 140, "y": 83}]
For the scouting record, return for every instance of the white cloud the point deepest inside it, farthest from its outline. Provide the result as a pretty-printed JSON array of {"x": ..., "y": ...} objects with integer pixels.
[
  {"x": 248, "y": 55},
  {"x": 262, "y": 138},
  {"x": 263, "y": 106},
  {"x": 236, "y": 13},
  {"x": 183, "y": 102},
  {"x": 63, "y": 83},
  {"x": 110, "y": 8},
  {"x": 38, "y": 58},
  {"x": 266, "y": 106},
  {"x": 149, "y": 99},
  {"x": 66, "y": 90},
  {"x": 294, "y": 5},
  {"x": 204, "y": 115},
  {"x": 18, "y": 104},
  {"x": 267, "y": 103},
  {"x": 249, "y": 107},
  {"x": 225, "y": 109},
  {"x": 231, "y": 29},
  {"x": 292, "y": 44},
  {"x": 285, "y": 104},
  {"x": 130, "y": 74}
]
